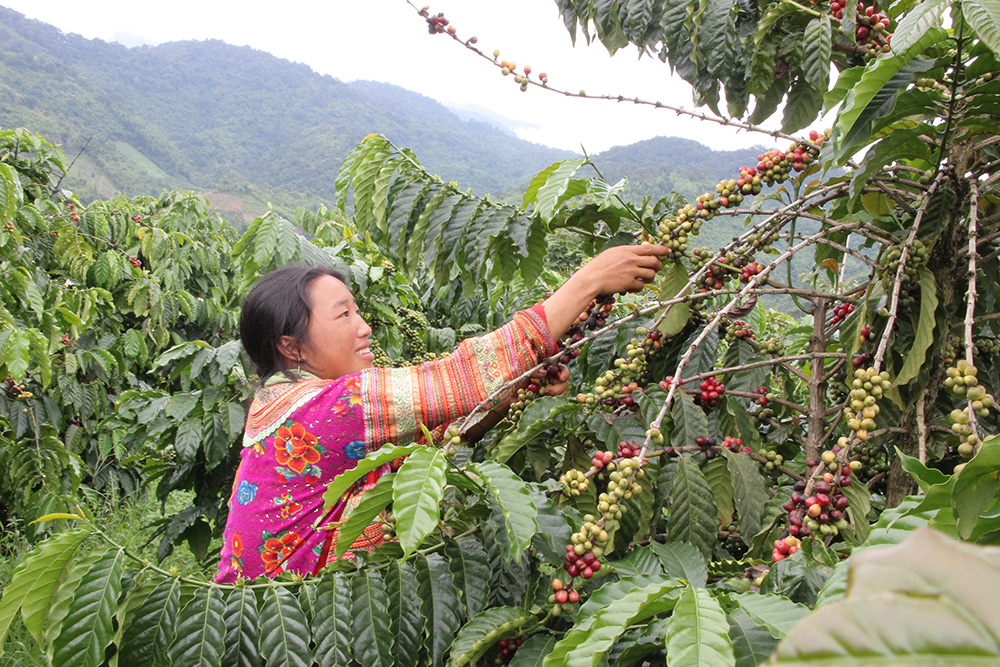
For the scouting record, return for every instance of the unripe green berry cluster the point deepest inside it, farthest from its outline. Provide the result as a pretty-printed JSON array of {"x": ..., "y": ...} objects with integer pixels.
[
  {"x": 574, "y": 482},
  {"x": 868, "y": 386},
  {"x": 916, "y": 259}
]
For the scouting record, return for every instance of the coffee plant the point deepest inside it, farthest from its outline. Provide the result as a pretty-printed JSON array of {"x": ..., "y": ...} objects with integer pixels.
[{"x": 751, "y": 465}]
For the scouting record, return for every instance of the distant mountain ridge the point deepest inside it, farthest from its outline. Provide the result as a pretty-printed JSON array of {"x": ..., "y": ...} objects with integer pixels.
[{"x": 254, "y": 128}]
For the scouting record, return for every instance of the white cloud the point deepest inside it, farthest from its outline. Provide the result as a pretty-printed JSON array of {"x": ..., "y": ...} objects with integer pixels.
[{"x": 385, "y": 40}]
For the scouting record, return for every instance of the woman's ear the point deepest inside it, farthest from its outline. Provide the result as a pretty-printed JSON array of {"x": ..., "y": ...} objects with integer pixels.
[{"x": 289, "y": 350}]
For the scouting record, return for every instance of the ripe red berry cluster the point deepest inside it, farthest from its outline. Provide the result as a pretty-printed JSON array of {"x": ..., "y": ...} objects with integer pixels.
[
  {"x": 785, "y": 547},
  {"x": 66, "y": 341},
  {"x": 711, "y": 389},
  {"x": 749, "y": 271},
  {"x": 137, "y": 219},
  {"x": 602, "y": 459},
  {"x": 763, "y": 395},
  {"x": 13, "y": 389},
  {"x": 508, "y": 647},
  {"x": 135, "y": 261},
  {"x": 740, "y": 330},
  {"x": 628, "y": 450},
  {"x": 840, "y": 312},
  {"x": 823, "y": 510},
  {"x": 437, "y": 24},
  {"x": 73, "y": 214},
  {"x": 735, "y": 444},
  {"x": 865, "y": 334}
]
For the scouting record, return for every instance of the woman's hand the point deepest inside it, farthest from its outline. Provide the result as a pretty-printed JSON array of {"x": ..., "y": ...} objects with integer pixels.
[
  {"x": 626, "y": 268},
  {"x": 557, "y": 384}
]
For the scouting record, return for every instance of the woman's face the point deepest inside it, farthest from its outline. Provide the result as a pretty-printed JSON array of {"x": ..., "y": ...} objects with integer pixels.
[{"x": 338, "y": 338}]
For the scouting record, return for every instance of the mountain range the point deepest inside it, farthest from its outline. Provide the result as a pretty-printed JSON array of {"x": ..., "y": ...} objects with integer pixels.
[{"x": 246, "y": 128}]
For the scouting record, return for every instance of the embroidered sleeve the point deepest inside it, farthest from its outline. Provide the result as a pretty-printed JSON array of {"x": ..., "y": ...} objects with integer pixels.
[{"x": 396, "y": 400}]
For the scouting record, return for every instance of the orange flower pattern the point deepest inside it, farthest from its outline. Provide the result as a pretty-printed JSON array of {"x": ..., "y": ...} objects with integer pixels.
[
  {"x": 275, "y": 550},
  {"x": 297, "y": 451}
]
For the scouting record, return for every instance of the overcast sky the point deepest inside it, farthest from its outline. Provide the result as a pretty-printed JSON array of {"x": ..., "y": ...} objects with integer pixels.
[{"x": 385, "y": 40}]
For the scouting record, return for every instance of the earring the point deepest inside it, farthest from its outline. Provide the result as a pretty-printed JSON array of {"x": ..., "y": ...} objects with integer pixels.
[{"x": 298, "y": 369}]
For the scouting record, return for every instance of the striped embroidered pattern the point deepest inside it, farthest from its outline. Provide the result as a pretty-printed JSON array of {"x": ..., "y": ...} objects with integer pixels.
[
  {"x": 442, "y": 390},
  {"x": 272, "y": 405}
]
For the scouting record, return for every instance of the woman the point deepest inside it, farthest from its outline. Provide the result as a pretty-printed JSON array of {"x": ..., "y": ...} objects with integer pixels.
[{"x": 322, "y": 405}]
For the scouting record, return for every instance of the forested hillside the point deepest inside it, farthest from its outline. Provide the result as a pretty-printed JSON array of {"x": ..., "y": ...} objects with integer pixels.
[{"x": 249, "y": 128}]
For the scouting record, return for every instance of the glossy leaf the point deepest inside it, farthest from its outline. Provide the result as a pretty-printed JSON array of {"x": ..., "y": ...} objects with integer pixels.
[
  {"x": 470, "y": 568},
  {"x": 372, "y": 461},
  {"x": 439, "y": 604},
  {"x": 371, "y": 641},
  {"x": 35, "y": 579},
  {"x": 924, "y": 333},
  {"x": 514, "y": 500},
  {"x": 692, "y": 510},
  {"x": 689, "y": 421},
  {"x": 777, "y": 614},
  {"x": 241, "y": 621},
  {"x": 584, "y": 646},
  {"x": 482, "y": 631},
  {"x": 750, "y": 491},
  {"x": 532, "y": 653},
  {"x": 405, "y": 622},
  {"x": 928, "y": 600},
  {"x": 284, "y": 629},
  {"x": 682, "y": 561},
  {"x": 416, "y": 496},
  {"x": 87, "y": 628},
  {"x": 373, "y": 502},
  {"x": 201, "y": 630},
  {"x": 152, "y": 626},
  {"x": 984, "y": 17},
  {"x": 332, "y": 620},
  {"x": 752, "y": 644},
  {"x": 699, "y": 632},
  {"x": 977, "y": 486}
]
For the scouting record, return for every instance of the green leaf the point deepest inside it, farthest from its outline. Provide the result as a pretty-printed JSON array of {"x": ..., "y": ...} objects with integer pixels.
[
  {"x": 373, "y": 461},
  {"x": 372, "y": 503},
  {"x": 688, "y": 419},
  {"x": 802, "y": 106},
  {"x": 876, "y": 76},
  {"x": 241, "y": 620},
  {"x": 485, "y": 629},
  {"x": 470, "y": 568},
  {"x": 977, "y": 487},
  {"x": 816, "y": 59},
  {"x": 531, "y": 194},
  {"x": 86, "y": 630},
  {"x": 750, "y": 492},
  {"x": 405, "y": 622},
  {"x": 692, "y": 516},
  {"x": 752, "y": 644},
  {"x": 682, "y": 561},
  {"x": 370, "y": 625},
  {"x": 416, "y": 496},
  {"x": 554, "y": 530},
  {"x": 930, "y": 600},
  {"x": 532, "y": 653},
  {"x": 924, "y": 476},
  {"x": 201, "y": 630},
  {"x": 550, "y": 194},
  {"x": 774, "y": 13},
  {"x": 776, "y": 613},
  {"x": 585, "y": 645},
  {"x": 514, "y": 499},
  {"x": 284, "y": 629},
  {"x": 533, "y": 423},
  {"x": 440, "y": 605},
  {"x": 11, "y": 194},
  {"x": 35, "y": 579},
  {"x": 152, "y": 626},
  {"x": 917, "y": 21},
  {"x": 984, "y": 17},
  {"x": 924, "y": 333},
  {"x": 671, "y": 282},
  {"x": 698, "y": 634},
  {"x": 717, "y": 475},
  {"x": 859, "y": 504},
  {"x": 332, "y": 620}
]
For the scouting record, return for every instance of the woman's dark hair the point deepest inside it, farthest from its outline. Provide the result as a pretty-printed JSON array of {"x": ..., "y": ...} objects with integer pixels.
[{"x": 278, "y": 305}]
